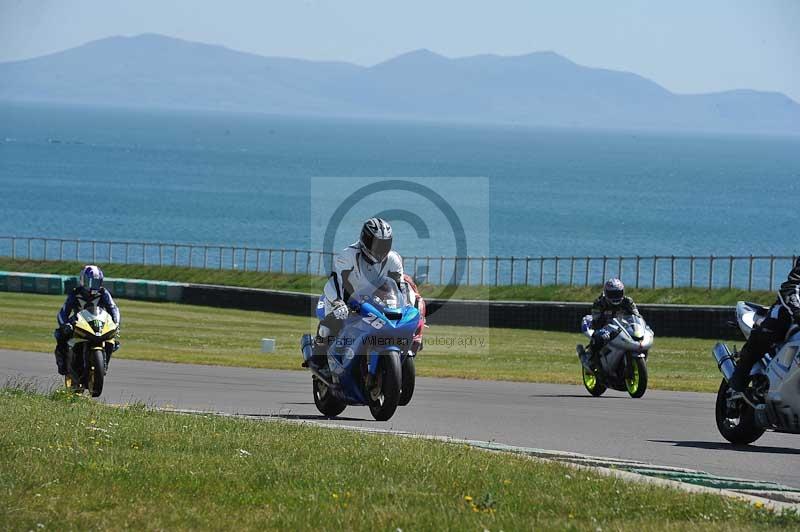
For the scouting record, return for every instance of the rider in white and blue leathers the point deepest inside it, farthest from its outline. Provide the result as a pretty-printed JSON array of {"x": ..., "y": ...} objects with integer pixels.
[{"x": 360, "y": 268}]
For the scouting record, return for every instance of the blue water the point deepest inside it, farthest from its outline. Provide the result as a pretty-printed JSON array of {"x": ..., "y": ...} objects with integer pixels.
[{"x": 245, "y": 180}]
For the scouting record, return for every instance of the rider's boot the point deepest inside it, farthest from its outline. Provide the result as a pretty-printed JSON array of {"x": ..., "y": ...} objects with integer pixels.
[{"x": 61, "y": 357}]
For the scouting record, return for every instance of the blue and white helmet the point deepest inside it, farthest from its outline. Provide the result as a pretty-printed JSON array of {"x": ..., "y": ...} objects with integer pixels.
[
  {"x": 91, "y": 278},
  {"x": 614, "y": 291},
  {"x": 376, "y": 239}
]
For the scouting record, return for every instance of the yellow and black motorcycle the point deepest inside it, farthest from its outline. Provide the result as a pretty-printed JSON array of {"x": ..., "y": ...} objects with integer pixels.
[{"x": 92, "y": 340}]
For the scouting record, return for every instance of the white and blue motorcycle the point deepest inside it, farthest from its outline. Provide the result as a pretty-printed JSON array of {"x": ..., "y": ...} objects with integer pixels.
[
  {"x": 772, "y": 399},
  {"x": 371, "y": 362}
]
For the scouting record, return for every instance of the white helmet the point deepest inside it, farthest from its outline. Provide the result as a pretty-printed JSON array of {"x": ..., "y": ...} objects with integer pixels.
[
  {"x": 376, "y": 239},
  {"x": 614, "y": 291}
]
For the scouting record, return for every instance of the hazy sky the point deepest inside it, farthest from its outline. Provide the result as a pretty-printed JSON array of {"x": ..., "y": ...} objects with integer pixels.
[{"x": 687, "y": 46}]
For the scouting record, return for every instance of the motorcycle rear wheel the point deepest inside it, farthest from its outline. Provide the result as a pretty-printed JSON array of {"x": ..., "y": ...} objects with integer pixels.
[
  {"x": 591, "y": 383},
  {"x": 743, "y": 432},
  {"x": 390, "y": 375},
  {"x": 326, "y": 402},
  {"x": 409, "y": 372}
]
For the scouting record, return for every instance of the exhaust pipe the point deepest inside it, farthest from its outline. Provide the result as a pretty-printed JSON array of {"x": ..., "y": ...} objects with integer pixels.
[
  {"x": 724, "y": 360},
  {"x": 307, "y": 347}
]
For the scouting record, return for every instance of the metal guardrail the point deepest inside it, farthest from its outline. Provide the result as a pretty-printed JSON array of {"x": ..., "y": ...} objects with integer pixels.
[{"x": 659, "y": 271}]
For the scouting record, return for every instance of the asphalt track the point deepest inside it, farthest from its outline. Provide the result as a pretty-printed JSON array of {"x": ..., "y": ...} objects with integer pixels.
[{"x": 663, "y": 428}]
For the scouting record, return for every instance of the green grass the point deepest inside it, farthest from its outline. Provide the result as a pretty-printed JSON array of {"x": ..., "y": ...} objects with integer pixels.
[
  {"x": 69, "y": 463},
  {"x": 203, "y": 335},
  {"x": 313, "y": 284}
]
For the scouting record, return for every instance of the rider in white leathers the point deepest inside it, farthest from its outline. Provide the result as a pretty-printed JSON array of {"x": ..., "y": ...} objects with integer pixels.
[{"x": 359, "y": 269}]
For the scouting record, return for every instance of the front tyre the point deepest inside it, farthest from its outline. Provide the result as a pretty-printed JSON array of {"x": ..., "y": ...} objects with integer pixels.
[
  {"x": 739, "y": 430},
  {"x": 96, "y": 372},
  {"x": 591, "y": 383},
  {"x": 409, "y": 372},
  {"x": 636, "y": 381},
  {"x": 328, "y": 404},
  {"x": 383, "y": 402}
]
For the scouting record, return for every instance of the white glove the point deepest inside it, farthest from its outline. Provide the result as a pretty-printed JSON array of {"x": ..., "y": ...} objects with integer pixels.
[{"x": 340, "y": 310}]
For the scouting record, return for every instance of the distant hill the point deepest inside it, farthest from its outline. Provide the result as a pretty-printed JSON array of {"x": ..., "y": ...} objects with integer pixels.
[{"x": 541, "y": 88}]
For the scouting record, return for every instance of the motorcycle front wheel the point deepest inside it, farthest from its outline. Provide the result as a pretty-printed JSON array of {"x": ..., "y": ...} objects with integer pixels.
[
  {"x": 740, "y": 430},
  {"x": 96, "y": 372},
  {"x": 636, "y": 381},
  {"x": 327, "y": 403},
  {"x": 591, "y": 383},
  {"x": 389, "y": 376}
]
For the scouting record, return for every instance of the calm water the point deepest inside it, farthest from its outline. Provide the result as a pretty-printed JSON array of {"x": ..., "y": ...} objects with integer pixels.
[{"x": 233, "y": 179}]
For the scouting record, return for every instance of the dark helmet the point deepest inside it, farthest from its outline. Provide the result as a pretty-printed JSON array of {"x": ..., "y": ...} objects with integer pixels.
[
  {"x": 91, "y": 278},
  {"x": 376, "y": 239},
  {"x": 614, "y": 291}
]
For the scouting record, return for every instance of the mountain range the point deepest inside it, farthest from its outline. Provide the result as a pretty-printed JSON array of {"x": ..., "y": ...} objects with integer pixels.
[{"x": 538, "y": 89}]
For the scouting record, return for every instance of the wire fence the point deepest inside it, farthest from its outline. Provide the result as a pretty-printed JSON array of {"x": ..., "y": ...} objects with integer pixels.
[{"x": 661, "y": 271}]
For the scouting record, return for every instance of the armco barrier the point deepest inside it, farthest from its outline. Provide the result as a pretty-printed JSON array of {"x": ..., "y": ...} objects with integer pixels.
[{"x": 666, "y": 320}]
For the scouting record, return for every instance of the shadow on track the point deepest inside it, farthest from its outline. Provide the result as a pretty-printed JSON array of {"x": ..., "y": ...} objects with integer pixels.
[
  {"x": 577, "y": 396},
  {"x": 714, "y": 445},
  {"x": 310, "y": 417}
]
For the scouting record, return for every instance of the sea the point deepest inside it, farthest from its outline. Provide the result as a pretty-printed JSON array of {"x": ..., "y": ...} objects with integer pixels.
[{"x": 259, "y": 180}]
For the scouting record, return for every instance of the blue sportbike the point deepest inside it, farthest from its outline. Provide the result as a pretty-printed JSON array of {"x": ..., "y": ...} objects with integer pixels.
[{"x": 371, "y": 361}]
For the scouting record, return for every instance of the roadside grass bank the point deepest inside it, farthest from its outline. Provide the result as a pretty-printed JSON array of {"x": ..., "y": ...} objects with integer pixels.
[
  {"x": 172, "y": 332},
  {"x": 313, "y": 284},
  {"x": 69, "y": 463}
]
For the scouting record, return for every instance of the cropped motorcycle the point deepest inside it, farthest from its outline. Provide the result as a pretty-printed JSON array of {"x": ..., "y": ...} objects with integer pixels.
[
  {"x": 623, "y": 360},
  {"x": 91, "y": 342},
  {"x": 772, "y": 398},
  {"x": 371, "y": 361}
]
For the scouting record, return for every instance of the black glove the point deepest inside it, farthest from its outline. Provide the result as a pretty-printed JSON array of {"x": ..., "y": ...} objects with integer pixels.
[
  {"x": 796, "y": 316},
  {"x": 67, "y": 329}
]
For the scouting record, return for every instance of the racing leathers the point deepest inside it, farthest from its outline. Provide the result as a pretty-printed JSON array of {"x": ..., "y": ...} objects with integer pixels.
[
  {"x": 353, "y": 275},
  {"x": 773, "y": 329},
  {"x": 77, "y": 300},
  {"x": 603, "y": 311}
]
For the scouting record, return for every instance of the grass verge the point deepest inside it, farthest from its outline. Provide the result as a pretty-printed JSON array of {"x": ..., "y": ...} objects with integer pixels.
[
  {"x": 69, "y": 463},
  {"x": 314, "y": 284},
  {"x": 201, "y": 335}
]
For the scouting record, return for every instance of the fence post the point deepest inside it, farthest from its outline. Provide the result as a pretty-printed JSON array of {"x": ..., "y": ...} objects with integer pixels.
[
  {"x": 571, "y": 269},
  {"x": 638, "y": 260},
  {"x": 496, "y": 269},
  {"x": 771, "y": 271},
  {"x": 29, "y": 249},
  {"x": 730, "y": 272},
  {"x": 60, "y": 249},
  {"x": 282, "y": 257},
  {"x": 512, "y": 270},
  {"x": 294, "y": 262},
  {"x": 13, "y": 248},
  {"x": 711, "y": 272},
  {"x": 750, "y": 275},
  {"x": 160, "y": 255},
  {"x": 527, "y": 269},
  {"x": 45, "y": 249},
  {"x": 219, "y": 266},
  {"x": 655, "y": 269},
  {"x": 269, "y": 260},
  {"x": 691, "y": 271},
  {"x": 556, "y": 272},
  {"x": 586, "y": 273},
  {"x": 619, "y": 268},
  {"x": 672, "y": 271},
  {"x": 541, "y": 271},
  {"x": 468, "y": 269},
  {"x": 110, "y": 248},
  {"x": 441, "y": 270},
  {"x": 144, "y": 253},
  {"x": 605, "y": 265},
  {"x": 483, "y": 269}
]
